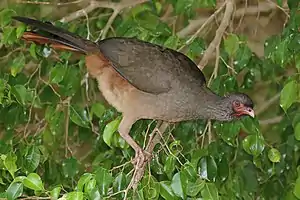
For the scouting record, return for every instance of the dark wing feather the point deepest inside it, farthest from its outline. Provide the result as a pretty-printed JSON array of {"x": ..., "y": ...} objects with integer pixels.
[{"x": 149, "y": 67}]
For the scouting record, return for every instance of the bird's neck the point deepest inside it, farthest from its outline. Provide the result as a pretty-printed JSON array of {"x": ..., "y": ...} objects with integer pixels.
[{"x": 214, "y": 108}]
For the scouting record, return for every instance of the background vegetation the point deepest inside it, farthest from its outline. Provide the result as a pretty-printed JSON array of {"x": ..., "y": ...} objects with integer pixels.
[{"x": 59, "y": 137}]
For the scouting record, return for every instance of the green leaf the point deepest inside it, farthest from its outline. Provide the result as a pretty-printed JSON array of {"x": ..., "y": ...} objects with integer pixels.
[
  {"x": 14, "y": 190},
  {"x": 104, "y": 180},
  {"x": 32, "y": 50},
  {"x": 55, "y": 192},
  {"x": 19, "y": 179},
  {"x": 208, "y": 168},
  {"x": 194, "y": 188},
  {"x": 190, "y": 171},
  {"x": 79, "y": 116},
  {"x": 119, "y": 182},
  {"x": 20, "y": 93},
  {"x": 223, "y": 169},
  {"x": 210, "y": 192},
  {"x": 172, "y": 42},
  {"x": 17, "y": 64},
  {"x": 289, "y": 94},
  {"x": 228, "y": 131},
  {"x": 274, "y": 155},
  {"x": 74, "y": 196},
  {"x": 57, "y": 73},
  {"x": 5, "y": 17},
  {"x": 169, "y": 166},
  {"x": 85, "y": 178},
  {"x": 95, "y": 194},
  {"x": 9, "y": 35},
  {"x": 242, "y": 58},
  {"x": 20, "y": 30},
  {"x": 98, "y": 109},
  {"x": 231, "y": 44},
  {"x": 253, "y": 144},
  {"x": 152, "y": 23},
  {"x": 33, "y": 181},
  {"x": 196, "y": 48},
  {"x": 297, "y": 131},
  {"x": 179, "y": 184},
  {"x": 109, "y": 130},
  {"x": 90, "y": 185},
  {"x": 10, "y": 163},
  {"x": 297, "y": 188},
  {"x": 32, "y": 159},
  {"x": 166, "y": 190},
  {"x": 70, "y": 167}
]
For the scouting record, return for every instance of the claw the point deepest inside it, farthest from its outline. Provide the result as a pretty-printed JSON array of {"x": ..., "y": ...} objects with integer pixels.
[{"x": 140, "y": 158}]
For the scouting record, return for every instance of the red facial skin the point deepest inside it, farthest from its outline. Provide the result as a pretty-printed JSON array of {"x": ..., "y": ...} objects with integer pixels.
[{"x": 240, "y": 109}]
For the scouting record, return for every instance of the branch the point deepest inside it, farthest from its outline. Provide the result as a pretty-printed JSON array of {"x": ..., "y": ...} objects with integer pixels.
[
  {"x": 101, "y": 4},
  {"x": 50, "y": 3},
  {"x": 274, "y": 120},
  {"x": 267, "y": 104},
  {"x": 250, "y": 10},
  {"x": 183, "y": 32},
  {"x": 157, "y": 135},
  {"x": 219, "y": 33}
]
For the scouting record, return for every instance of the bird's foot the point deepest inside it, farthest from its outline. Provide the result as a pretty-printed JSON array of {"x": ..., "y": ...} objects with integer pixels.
[{"x": 140, "y": 158}]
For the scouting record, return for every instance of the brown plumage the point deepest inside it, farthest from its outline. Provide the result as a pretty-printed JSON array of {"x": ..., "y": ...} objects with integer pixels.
[{"x": 144, "y": 80}]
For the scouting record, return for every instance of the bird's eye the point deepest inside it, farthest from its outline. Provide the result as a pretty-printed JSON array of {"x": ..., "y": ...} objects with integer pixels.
[{"x": 236, "y": 104}]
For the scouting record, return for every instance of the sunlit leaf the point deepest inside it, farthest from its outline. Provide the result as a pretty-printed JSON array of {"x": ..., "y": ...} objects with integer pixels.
[
  {"x": 289, "y": 94},
  {"x": 194, "y": 188},
  {"x": 17, "y": 64},
  {"x": 209, "y": 192},
  {"x": 5, "y": 16},
  {"x": 104, "y": 180},
  {"x": 231, "y": 44},
  {"x": 55, "y": 192},
  {"x": 57, "y": 73},
  {"x": 274, "y": 155},
  {"x": 14, "y": 190},
  {"x": 10, "y": 163},
  {"x": 32, "y": 159},
  {"x": 253, "y": 144},
  {"x": 83, "y": 180},
  {"x": 178, "y": 184},
  {"x": 166, "y": 190},
  {"x": 109, "y": 130},
  {"x": 74, "y": 196},
  {"x": 33, "y": 181},
  {"x": 297, "y": 188},
  {"x": 79, "y": 116},
  {"x": 207, "y": 168}
]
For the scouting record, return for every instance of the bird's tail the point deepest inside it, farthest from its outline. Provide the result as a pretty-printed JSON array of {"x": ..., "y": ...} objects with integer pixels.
[{"x": 56, "y": 37}]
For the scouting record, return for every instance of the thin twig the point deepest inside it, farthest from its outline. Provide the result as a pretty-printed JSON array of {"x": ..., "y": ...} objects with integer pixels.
[
  {"x": 219, "y": 33},
  {"x": 67, "y": 120},
  {"x": 250, "y": 10},
  {"x": 139, "y": 172},
  {"x": 50, "y": 3},
  {"x": 101, "y": 4},
  {"x": 267, "y": 104},
  {"x": 207, "y": 21},
  {"x": 109, "y": 23},
  {"x": 274, "y": 120}
]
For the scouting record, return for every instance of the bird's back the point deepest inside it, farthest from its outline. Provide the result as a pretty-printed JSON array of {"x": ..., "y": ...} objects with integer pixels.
[{"x": 149, "y": 67}]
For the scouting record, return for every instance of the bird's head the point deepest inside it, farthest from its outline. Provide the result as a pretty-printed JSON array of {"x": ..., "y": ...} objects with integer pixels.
[{"x": 239, "y": 105}]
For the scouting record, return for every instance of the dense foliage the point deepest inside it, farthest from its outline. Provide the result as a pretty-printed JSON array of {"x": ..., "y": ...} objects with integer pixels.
[{"x": 59, "y": 137}]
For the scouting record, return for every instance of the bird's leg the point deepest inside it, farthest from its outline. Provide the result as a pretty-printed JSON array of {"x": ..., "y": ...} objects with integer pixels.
[{"x": 141, "y": 156}]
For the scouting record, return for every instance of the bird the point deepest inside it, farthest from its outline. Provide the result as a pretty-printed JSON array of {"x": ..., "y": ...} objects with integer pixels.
[{"x": 143, "y": 80}]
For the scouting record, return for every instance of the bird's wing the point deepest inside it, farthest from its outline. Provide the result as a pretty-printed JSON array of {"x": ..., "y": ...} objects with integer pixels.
[{"x": 149, "y": 67}]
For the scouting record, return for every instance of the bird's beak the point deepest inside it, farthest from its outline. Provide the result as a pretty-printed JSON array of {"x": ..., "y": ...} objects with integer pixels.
[{"x": 248, "y": 111}]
